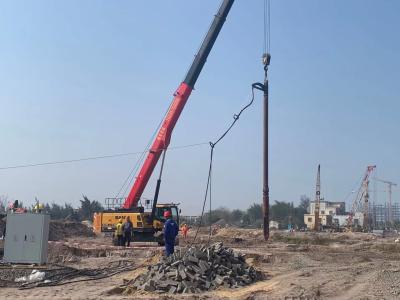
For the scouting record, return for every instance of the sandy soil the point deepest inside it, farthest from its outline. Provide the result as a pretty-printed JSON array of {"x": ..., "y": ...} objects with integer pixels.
[{"x": 296, "y": 265}]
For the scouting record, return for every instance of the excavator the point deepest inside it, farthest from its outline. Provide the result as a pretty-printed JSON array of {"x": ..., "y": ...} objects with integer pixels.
[{"x": 148, "y": 225}]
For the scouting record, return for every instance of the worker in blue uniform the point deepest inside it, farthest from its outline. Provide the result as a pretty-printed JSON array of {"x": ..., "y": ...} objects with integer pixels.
[{"x": 170, "y": 232}]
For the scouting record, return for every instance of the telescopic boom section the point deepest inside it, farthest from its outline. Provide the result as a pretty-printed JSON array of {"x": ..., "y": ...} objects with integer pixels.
[{"x": 180, "y": 98}]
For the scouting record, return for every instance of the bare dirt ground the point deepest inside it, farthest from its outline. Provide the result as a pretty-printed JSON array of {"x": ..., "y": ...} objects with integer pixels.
[{"x": 296, "y": 265}]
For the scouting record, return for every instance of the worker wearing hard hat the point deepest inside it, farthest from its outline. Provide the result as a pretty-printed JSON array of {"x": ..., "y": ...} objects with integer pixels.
[
  {"x": 119, "y": 233},
  {"x": 170, "y": 232}
]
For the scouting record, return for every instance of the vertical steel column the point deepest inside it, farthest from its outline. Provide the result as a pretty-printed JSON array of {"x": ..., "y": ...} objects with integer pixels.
[
  {"x": 366, "y": 224},
  {"x": 266, "y": 61},
  {"x": 317, "y": 200}
]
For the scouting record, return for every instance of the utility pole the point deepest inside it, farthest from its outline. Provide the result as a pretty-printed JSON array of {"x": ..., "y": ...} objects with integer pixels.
[
  {"x": 266, "y": 59},
  {"x": 317, "y": 200}
]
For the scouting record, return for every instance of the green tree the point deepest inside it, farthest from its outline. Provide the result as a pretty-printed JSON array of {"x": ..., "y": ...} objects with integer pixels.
[
  {"x": 246, "y": 220},
  {"x": 255, "y": 212},
  {"x": 88, "y": 208},
  {"x": 280, "y": 212},
  {"x": 55, "y": 211},
  {"x": 237, "y": 216},
  {"x": 221, "y": 213},
  {"x": 304, "y": 203}
]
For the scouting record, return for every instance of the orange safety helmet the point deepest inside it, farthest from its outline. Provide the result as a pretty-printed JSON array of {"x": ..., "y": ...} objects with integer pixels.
[{"x": 167, "y": 214}]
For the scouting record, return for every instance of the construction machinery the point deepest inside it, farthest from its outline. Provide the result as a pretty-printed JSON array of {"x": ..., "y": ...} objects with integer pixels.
[
  {"x": 362, "y": 196},
  {"x": 147, "y": 226},
  {"x": 317, "y": 222}
]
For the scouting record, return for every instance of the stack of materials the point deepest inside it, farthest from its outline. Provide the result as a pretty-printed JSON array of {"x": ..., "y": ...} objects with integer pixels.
[{"x": 197, "y": 269}]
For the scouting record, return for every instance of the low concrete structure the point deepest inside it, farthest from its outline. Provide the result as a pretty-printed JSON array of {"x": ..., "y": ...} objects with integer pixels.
[
  {"x": 324, "y": 220},
  {"x": 340, "y": 220},
  {"x": 273, "y": 225},
  {"x": 358, "y": 219},
  {"x": 327, "y": 211}
]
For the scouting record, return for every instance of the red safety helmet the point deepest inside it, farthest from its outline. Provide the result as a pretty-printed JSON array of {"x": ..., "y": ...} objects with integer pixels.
[{"x": 167, "y": 214}]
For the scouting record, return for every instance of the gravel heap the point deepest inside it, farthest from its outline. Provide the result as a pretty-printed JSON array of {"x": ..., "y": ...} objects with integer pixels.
[{"x": 197, "y": 269}]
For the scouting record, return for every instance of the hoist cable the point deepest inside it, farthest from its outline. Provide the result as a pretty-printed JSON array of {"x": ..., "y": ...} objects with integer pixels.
[
  {"x": 267, "y": 26},
  {"x": 134, "y": 170}
]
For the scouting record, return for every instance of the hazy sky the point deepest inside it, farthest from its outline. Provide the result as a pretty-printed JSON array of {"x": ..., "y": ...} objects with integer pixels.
[{"x": 89, "y": 78}]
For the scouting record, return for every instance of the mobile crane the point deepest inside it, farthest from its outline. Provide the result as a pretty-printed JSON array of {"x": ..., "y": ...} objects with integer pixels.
[
  {"x": 147, "y": 226},
  {"x": 362, "y": 193}
]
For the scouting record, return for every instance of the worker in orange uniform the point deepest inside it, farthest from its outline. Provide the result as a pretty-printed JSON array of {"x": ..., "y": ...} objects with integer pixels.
[
  {"x": 119, "y": 233},
  {"x": 185, "y": 230}
]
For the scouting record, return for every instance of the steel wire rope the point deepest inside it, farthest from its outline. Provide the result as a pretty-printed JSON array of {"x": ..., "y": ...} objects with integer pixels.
[
  {"x": 267, "y": 27},
  {"x": 132, "y": 173}
]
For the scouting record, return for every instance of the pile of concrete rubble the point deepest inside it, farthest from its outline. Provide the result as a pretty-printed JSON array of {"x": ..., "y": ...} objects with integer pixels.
[{"x": 197, "y": 269}]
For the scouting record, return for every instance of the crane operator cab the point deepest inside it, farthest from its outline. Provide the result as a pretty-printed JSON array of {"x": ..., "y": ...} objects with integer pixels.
[
  {"x": 145, "y": 228},
  {"x": 162, "y": 208}
]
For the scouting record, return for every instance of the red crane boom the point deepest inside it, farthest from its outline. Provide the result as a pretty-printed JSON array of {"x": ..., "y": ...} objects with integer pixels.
[{"x": 180, "y": 98}]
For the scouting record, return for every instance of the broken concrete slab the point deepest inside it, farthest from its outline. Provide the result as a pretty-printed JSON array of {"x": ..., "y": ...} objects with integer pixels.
[{"x": 197, "y": 269}]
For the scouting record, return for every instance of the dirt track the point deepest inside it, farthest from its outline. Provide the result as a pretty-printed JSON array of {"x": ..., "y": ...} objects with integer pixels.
[{"x": 302, "y": 265}]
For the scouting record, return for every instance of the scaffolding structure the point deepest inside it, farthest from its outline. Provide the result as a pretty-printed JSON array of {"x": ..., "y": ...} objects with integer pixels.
[{"x": 381, "y": 216}]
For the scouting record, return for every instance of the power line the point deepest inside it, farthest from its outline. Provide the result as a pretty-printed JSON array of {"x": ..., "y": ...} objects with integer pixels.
[{"x": 28, "y": 165}]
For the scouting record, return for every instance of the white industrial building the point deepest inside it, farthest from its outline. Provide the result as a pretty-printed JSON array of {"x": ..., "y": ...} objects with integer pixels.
[{"x": 327, "y": 212}]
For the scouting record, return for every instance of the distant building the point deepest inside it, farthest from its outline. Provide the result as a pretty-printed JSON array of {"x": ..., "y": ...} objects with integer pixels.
[
  {"x": 342, "y": 220},
  {"x": 327, "y": 212}
]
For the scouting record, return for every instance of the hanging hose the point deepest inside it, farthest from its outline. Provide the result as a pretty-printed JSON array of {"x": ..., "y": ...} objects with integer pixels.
[{"x": 212, "y": 146}]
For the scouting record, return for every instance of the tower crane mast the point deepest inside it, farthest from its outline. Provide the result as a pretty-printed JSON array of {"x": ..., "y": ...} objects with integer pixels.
[
  {"x": 389, "y": 190},
  {"x": 317, "y": 200}
]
